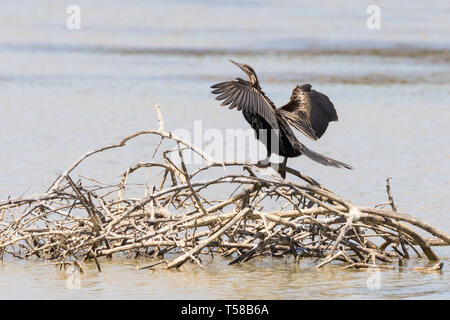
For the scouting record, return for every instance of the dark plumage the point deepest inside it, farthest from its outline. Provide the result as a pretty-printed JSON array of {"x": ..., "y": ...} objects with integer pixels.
[{"x": 309, "y": 111}]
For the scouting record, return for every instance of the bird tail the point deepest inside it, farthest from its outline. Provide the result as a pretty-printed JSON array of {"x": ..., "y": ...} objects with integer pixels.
[{"x": 322, "y": 159}]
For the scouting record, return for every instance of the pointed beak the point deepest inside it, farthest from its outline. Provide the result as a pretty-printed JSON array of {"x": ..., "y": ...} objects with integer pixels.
[{"x": 240, "y": 65}]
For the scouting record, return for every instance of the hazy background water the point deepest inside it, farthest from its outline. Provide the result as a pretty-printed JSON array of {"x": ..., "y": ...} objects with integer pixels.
[{"x": 64, "y": 92}]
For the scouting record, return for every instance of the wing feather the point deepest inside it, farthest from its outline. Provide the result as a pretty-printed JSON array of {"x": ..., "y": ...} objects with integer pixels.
[
  {"x": 309, "y": 111},
  {"x": 235, "y": 101},
  {"x": 230, "y": 97},
  {"x": 241, "y": 94},
  {"x": 245, "y": 98}
]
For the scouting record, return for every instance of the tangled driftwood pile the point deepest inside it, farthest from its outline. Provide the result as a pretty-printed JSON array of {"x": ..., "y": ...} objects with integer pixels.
[{"x": 177, "y": 221}]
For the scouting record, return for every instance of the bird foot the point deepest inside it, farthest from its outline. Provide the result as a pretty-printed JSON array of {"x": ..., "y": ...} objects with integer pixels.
[
  {"x": 282, "y": 172},
  {"x": 263, "y": 163}
]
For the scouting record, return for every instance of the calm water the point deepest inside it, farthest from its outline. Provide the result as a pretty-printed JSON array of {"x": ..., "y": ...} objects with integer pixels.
[{"x": 65, "y": 92}]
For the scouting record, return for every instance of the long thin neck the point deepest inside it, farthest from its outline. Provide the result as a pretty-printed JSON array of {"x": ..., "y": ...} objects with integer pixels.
[{"x": 254, "y": 80}]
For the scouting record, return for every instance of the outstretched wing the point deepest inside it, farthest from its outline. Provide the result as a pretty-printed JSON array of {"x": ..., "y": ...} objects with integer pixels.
[
  {"x": 309, "y": 111},
  {"x": 242, "y": 95}
]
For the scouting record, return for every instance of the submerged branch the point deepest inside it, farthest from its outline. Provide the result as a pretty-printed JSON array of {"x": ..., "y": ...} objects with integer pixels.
[{"x": 258, "y": 213}]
